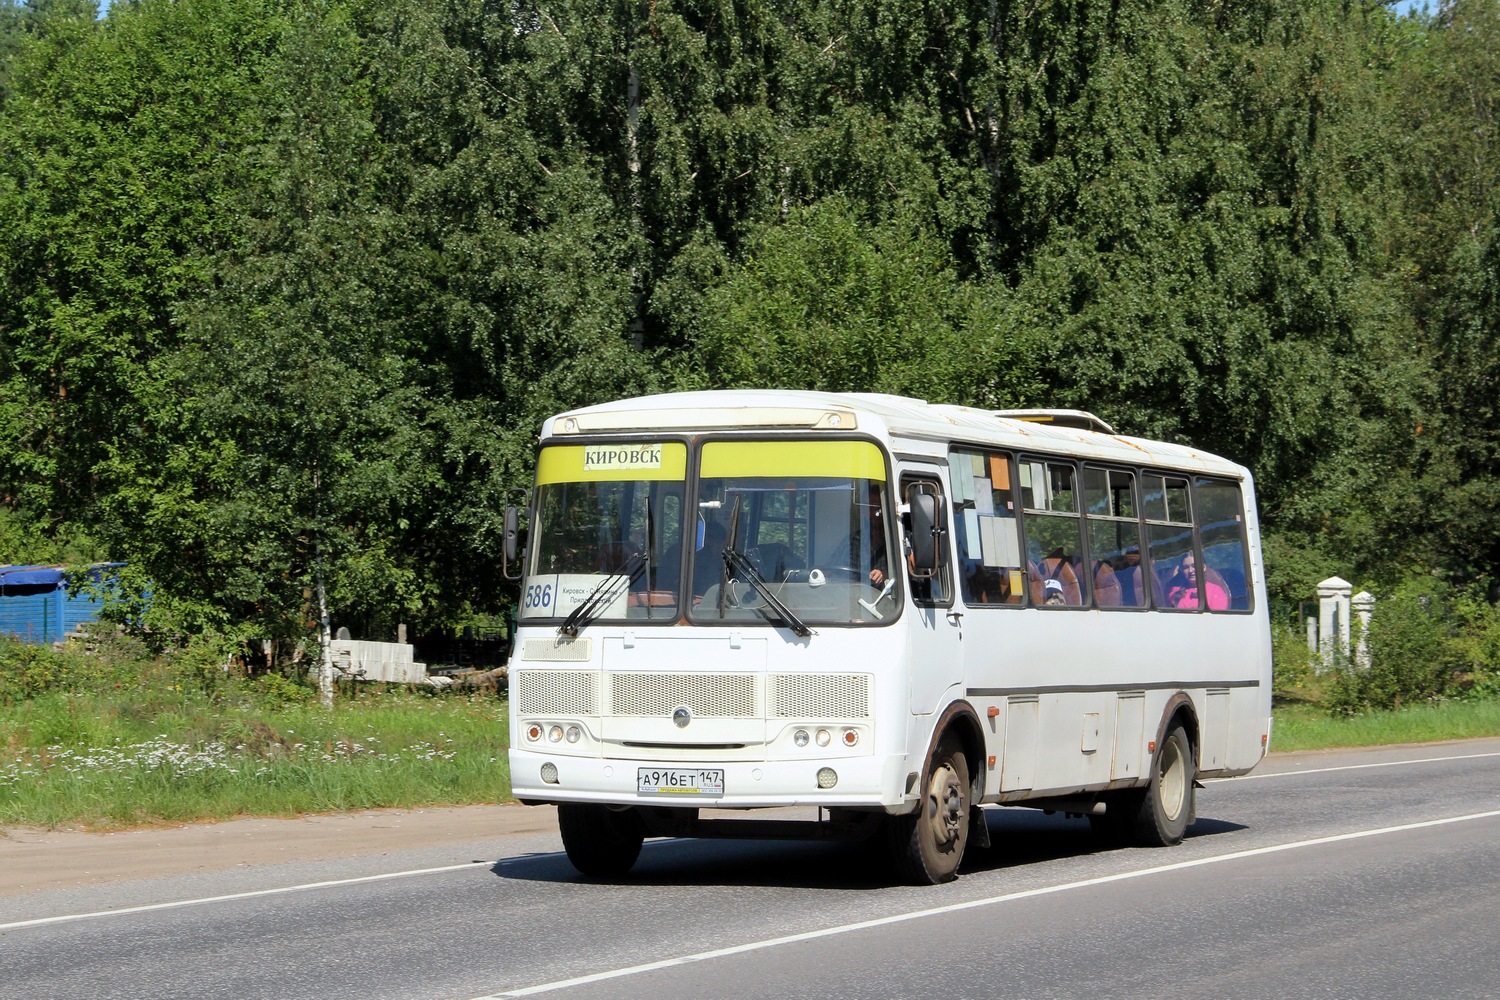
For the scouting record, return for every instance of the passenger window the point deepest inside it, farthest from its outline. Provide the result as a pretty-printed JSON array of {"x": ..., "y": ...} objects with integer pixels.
[
  {"x": 1221, "y": 531},
  {"x": 1114, "y": 538},
  {"x": 1053, "y": 543},
  {"x": 1169, "y": 530},
  {"x": 985, "y": 528}
]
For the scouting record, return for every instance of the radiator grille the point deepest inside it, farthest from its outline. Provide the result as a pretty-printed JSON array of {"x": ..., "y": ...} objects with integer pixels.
[
  {"x": 558, "y": 650},
  {"x": 708, "y": 695},
  {"x": 820, "y": 696},
  {"x": 554, "y": 692}
]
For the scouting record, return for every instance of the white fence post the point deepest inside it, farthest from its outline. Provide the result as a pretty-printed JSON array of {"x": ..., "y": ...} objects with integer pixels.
[
  {"x": 1364, "y": 606},
  {"x": 1333, "y": 619}
]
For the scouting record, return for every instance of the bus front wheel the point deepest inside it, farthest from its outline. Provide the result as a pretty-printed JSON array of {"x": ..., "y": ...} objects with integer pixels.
[
  {"x": 600, "y": 841},
  {"x": 928, "y": 844}
]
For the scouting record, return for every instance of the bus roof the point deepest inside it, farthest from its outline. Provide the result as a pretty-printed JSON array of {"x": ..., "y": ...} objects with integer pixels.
[{"x": 1069, "y": 432}]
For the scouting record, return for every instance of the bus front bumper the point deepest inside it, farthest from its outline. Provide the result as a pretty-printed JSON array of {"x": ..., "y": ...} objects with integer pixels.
[{"x": 868, "y": 782}]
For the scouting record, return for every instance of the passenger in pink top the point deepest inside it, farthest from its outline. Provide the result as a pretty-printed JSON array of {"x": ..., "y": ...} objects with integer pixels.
[{"x": 1182, "y": 590}]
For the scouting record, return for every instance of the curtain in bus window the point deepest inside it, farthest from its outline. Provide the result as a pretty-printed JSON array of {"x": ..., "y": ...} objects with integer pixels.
[
  {"x": 985, "y": 528},
  {"x": 1221, "y": 529},
  {"x": 1169, "y": 535},
  {"x": 1114, "y": 535},
  {"x": 1053, "y": 544}
]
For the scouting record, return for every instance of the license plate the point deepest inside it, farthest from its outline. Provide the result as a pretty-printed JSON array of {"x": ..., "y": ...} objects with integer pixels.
[{"x": 700, "y": 782}]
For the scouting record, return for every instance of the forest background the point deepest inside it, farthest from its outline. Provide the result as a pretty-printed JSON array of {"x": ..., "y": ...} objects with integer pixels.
[{"x": 287, "y": 286}]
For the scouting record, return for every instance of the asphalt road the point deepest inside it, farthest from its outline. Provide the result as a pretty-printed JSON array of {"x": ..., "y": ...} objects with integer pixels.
[{"x": 1349, "y": 874}]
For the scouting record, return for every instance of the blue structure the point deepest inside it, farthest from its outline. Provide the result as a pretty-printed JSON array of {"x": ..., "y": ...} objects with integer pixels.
[{"x": 35, "y": 605}]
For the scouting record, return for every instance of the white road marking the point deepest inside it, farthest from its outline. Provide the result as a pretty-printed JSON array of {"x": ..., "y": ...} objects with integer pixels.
[
  {"x": 1359, "y": 767},
  {"x": 239, "y": 895},
  {"x": 973, "y": 904}
]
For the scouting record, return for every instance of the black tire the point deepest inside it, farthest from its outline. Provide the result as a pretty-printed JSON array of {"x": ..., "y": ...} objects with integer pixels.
[
  {"x": 927, "y": 845},
  {"x": 1158, "y": 815},
  {"x": 600, "y": 841}
]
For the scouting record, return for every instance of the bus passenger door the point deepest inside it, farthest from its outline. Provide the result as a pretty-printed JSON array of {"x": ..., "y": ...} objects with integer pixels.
[{"x": 935, "y": 640}]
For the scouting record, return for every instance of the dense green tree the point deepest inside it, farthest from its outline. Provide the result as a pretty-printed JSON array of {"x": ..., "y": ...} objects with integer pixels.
[{"x": 287, "y": 286}]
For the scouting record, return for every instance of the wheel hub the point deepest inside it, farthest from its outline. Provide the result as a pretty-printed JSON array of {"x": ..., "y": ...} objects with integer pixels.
[{"x": 945, "y": 805}]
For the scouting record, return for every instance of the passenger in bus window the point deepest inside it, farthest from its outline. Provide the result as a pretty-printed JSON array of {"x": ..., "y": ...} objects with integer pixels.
[
  {"x": 1056, "y": 566},
  {"x": 1052, "y": 593},
  {"x": 1184, "y": 589},
  {"x": 1128, "y": 575},
  {"x": 879, "y": 565},
  {"x": 1106, "y": 585}
]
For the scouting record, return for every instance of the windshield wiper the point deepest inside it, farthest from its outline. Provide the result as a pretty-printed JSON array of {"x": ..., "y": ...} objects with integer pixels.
[
  {"x": 601, "y": 596},
  {"x": 737, "y": 562}
]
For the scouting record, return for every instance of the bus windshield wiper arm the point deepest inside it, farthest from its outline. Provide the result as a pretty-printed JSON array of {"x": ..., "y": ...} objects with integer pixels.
[
  {"x": 737, "y": 562},
  {"x": 590, "y": 607}
]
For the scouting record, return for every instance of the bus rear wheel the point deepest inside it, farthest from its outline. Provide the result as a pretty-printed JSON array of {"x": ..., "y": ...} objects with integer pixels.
[
  {"x": 1158, "y": 815},
  {"x": 600, "y": 841},
  {"x": 928, "y": 844}
]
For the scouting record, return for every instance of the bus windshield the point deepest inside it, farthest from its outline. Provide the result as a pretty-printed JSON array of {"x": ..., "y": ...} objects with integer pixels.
[
  {"x": 809, "y": 518},
  {"x": 613, "y": 538},
  {"x": 605, "y": 519}
]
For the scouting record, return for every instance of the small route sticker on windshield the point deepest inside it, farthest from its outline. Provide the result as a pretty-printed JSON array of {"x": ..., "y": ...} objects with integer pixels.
[{"x": 615, "y": 457}]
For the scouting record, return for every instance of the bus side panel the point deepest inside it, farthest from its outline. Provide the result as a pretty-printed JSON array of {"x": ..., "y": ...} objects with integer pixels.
[{"x": 1130, "y": 736}]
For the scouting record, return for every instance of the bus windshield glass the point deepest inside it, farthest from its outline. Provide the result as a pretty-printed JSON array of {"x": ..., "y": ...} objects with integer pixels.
[
  {"x": 606, "y": 534},
  {"x": 809, "y": 519}
]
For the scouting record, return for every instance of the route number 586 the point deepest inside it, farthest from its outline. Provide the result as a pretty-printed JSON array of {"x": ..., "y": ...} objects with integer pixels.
[{"x": 538, "y": 597}]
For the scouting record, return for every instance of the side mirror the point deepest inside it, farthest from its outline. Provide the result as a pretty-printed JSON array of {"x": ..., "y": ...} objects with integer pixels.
[
  {"x": 512, "y": 546},
  {"x": 929, "y": 523}
]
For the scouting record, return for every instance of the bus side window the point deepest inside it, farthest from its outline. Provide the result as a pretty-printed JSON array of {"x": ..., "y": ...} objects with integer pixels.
[
  {"x": 1053, "y": 542},
  {"x": 1221, "y": 532},
  {"x": 985, "y": 528},
  {"x": 937, "y": 588}
]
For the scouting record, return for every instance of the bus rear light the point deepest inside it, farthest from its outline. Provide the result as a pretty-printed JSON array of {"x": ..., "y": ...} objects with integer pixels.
[
  {"x": 549, "y": 773},
  {"x": 533, "y": 732},
  {"x": 824, "y": 737},
  {"x": 574, "y": 734},
  {"x": 555, "y": 734},
  {"x": 801, "y": 738},
  {"x": 827, "y": 777},
  {"x": 851, "y": 737}
]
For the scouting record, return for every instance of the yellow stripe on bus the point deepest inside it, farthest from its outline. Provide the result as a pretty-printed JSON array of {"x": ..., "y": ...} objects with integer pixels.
[
  {"x": 841, "y": 459},
  {"x": 587, "y": 463}
]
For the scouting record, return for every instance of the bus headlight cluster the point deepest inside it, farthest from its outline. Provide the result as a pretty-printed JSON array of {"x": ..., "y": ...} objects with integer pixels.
[
  {"x": 536, "y": 732},
  {"x": 824, "y": 737}
]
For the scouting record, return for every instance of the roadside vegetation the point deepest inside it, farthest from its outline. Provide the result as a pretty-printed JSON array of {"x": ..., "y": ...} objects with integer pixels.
[{"x": 117, "y": 737}]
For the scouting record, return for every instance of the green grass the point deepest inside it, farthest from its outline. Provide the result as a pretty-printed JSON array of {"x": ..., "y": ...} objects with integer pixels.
[
  {"x": 1302, "y": 726},
  {"x": 102, "y": 761}
]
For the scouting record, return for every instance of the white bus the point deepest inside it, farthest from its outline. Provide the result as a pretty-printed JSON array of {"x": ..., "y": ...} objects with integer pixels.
[{"x": 711, "y": 619}]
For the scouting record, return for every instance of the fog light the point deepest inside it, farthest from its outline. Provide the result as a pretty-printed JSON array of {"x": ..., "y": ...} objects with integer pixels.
[
  {"x": 533, "y": 732},
  {"x": 554, "y": 735},
  {"x": 851, "y": 737},
  {"x": 827, "y": 777},
  {"x": 549, "y": 773},
  {"x": 800, "y": 737},
  {"x": 823, "y": 738},
  {"x": 574, "y": 734}
]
